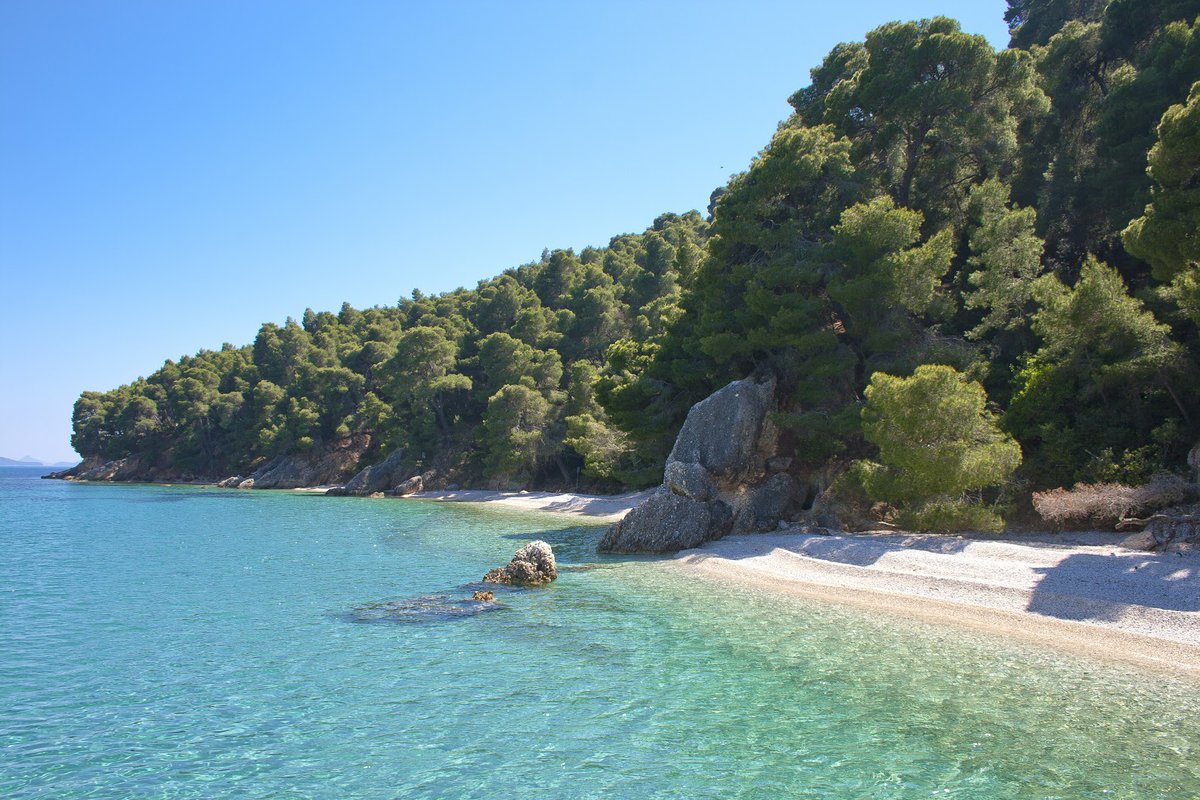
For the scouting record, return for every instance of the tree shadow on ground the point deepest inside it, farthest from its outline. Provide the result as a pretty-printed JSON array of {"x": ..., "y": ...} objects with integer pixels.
[
  {"x": 1089, "y": 586},
  {"x": 858, "y": 551}
]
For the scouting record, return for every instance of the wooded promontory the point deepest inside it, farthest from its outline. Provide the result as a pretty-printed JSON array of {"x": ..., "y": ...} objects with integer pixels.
[{"x": 988, "y": 256}]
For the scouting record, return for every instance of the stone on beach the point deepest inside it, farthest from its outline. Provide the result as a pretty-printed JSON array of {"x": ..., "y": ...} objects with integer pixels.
[
  {"x": 411, "y": 486},
  {"x": 723, "y": 475},
  {"x": 667, "y": 522},
  {"x": 532, "y": 565},
  {"x": 376, "y": 477}
]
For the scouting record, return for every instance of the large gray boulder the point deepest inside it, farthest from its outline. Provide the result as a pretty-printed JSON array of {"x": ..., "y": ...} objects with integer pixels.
[
  {"x": 721, "y": 431},
  {"x": 666, "y": 522},
  {"x": 410, "y": 486},
  {"x": 689, "y": 480},
  {"x": 532, "y": 565},
  {"x": 377, "y": 477},
  {"x": 716, "y": 478},
  {"x": 764, "y": 506}
]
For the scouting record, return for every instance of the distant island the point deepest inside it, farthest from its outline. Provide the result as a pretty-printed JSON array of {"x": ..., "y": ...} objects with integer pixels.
[{"x": 30, "y": 461}]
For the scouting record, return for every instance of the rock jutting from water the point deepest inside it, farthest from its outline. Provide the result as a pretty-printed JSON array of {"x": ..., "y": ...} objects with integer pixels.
[{"x": 532, "y": 565}]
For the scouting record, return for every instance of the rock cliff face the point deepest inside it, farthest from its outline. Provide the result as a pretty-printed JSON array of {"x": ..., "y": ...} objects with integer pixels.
[
  {"x": 132, "y": 468},
  {"x": 379, "y": 477},
  {"x": 309, "y": 469},
  {"x": 331, "y": 465},
  {"x": 723, "y": 475}
]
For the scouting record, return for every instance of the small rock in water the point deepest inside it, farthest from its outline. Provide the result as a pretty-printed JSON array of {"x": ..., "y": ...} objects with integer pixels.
[
  {"x": 484, "y": 597},
  {"x": 533, "y": 565}
]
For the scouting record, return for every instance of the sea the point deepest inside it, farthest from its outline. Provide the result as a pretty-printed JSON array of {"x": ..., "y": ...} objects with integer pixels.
[{"x": 186, "y": 642}]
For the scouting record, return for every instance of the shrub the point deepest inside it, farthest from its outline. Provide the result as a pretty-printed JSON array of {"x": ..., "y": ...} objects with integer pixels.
[
  {"x": 1103, "y": 505},
  {"x": 951, "y": 516},
  {"x": 939, "y": 446},
  {"x": 935, "y": 436}
]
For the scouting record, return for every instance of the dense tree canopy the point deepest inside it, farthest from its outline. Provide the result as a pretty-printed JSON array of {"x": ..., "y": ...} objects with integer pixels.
[{"x": 1001, "y": 238}]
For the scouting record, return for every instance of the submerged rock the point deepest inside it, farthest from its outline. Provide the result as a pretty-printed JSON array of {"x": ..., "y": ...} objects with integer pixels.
[
  {"x": 483, "y": 597},
  {"x": 425, "y": 609},
  {"x": 533, "y": 565}
]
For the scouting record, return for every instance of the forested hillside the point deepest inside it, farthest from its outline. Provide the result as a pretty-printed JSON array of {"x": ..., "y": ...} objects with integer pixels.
[
  {"x": 1027, "y": 219},
  {"x": 497, "y": 383}
]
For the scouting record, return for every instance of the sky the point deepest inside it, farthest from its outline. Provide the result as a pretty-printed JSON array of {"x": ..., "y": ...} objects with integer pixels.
[{"x": 172, "y": 175}]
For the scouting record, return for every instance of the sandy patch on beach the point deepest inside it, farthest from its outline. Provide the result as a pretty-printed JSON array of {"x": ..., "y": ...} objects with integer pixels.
[
  {"x": 598, "y": 507},
  {"x": 1103, "y": 600}
]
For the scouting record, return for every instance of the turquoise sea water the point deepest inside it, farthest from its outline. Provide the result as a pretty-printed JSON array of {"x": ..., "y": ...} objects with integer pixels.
[{"x": 160, "y": 642}]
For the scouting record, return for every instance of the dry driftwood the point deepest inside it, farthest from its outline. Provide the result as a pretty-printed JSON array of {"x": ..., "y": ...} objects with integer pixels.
[{"x": 1135, "y": 524}]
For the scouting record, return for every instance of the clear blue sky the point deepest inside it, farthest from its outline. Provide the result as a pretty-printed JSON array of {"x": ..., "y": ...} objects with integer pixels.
[{"x": 173, "y": 174}]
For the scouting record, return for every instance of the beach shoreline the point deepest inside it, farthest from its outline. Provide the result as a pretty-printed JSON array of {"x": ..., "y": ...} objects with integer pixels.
[
  {"x": 600, "y": 508},
  {"x": 1080, "y": 592},
  {"x": 1100, "y": 600}
]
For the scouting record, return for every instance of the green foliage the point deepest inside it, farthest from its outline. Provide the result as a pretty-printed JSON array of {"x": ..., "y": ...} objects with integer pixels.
[
  {"x": 951, "y": 515},
  {"x": 887, "y": 228},
  {"x": 1006, "y": 254},
  {"x": 935, "y": 436},
  {"x": 930, "y": 110},
  {"x": 1104, "y": 377},
  {"x": 1167, "y": 235},
  {"x": 1034, "y": 22},
  {"x": 514, "y": 433},
  {"x": 433, "y": 374},
  {"x": 1111, "y": 72}
]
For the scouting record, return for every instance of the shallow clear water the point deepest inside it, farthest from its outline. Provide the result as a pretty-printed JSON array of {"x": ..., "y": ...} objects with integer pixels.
[{"x": 182, "y": 642}]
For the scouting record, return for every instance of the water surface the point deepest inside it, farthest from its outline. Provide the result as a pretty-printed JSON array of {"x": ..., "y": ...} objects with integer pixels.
[{"x": 199, "y": 643}]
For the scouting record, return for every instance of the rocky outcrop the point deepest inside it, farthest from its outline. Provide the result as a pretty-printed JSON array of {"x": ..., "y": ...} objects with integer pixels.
[
  {"x": 377, "y": 477},
  {"x": 763, "y": 507},
  {"x": 533, "y": 565},
  {"x": 295, "y": 471},
  {"x": 666, "y": 522},
  {"x": 722, "y": 431},
  {"x": 131, "y": 468},
  {"x": 411, "y": 486},
  {"x": 1175, "y": 529},
  {"x": 309, "y": 469},
  {"x": 723, "y": 475}
]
